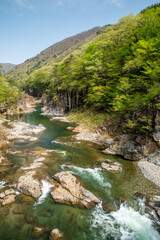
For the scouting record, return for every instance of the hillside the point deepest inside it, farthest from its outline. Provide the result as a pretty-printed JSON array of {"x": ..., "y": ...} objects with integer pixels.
[
  {"x": 56, "y": 52},
  {"x": 115, "y": 71},
  {"x": 6, "y": 67}
]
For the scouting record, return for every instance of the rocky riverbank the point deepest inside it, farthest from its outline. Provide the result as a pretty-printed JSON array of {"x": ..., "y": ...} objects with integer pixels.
[{"x": 141, "y": 148}]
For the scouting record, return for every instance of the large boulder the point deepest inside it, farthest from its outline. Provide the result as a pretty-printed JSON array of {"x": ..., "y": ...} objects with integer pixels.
[
  {"x": 68, "y": 190},
  {"x": 131, "y": 147},
  {"x": 56, "y": 234},
  {"x": 29, "y": 186}
]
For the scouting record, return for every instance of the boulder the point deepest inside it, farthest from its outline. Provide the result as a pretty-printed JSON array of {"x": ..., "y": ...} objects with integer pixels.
[
  {"x": 69, "y": 191},
  {"x": 29, "y": 186},
  {"x": 10, "y": 191},
  {"x": 111, "y": 166},
  {"x": 56, "y": 234},
  {"x": 37, "y": 232},
  {"x": 8, "y": 200}
]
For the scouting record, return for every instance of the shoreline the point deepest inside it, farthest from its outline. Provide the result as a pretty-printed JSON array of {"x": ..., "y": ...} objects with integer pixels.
[{"x": 150, "y": 171}]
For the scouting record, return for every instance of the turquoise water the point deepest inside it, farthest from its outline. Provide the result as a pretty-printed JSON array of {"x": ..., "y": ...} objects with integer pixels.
[{"x": 125, "y": 221}]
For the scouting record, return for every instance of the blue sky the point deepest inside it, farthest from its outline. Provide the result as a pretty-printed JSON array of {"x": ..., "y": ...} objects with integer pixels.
[{"x": 30, "y": 26}]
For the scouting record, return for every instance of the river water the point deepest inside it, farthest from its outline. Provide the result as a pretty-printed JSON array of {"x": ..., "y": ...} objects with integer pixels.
[{"x": 126, "y": 219}]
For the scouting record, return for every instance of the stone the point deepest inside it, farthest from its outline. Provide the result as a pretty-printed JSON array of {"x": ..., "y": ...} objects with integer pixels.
[
  {"x": 2, "y": 195},
  {"x": 29, "y": 186},
  {"x": 37, "y": 232},
  {"x": 158, "y": 213},
  {"x": 111, "y": 166},
  {"x": 70, "y": 128},
  {"x": 56, "y": 234},
  {"x": 18, "y": 209},
  {"x": 10, "y": 191},
  {"x": 31, "y": 219},
  {"x": 8, "y": 200},
  {"x": 69, "y": 191}
]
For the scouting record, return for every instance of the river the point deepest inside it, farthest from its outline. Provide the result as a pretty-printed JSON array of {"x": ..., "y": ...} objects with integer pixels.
[{"x": 126, "y": 219}]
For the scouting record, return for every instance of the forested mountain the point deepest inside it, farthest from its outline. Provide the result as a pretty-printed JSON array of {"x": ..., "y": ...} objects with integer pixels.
[
  {"x": 117, "y": 72},
  {"x": 55, "y": 53},
  {"x": 4, "y": 67}
]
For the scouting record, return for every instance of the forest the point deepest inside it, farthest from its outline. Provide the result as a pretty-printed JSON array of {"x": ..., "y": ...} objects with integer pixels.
[{"x": 116, "y": 73}]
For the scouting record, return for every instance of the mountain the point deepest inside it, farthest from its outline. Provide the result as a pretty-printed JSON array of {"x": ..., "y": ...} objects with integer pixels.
[
  {"x": 6, "y": 67},
  {"x": 55, "y": 52}
]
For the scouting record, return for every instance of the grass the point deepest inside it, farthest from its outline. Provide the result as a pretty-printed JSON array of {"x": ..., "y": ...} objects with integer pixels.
[{"x": 88, "y": 118}]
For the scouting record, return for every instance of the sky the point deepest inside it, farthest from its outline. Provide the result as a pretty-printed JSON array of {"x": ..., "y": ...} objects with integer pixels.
[{"x": 29, "y": 26}]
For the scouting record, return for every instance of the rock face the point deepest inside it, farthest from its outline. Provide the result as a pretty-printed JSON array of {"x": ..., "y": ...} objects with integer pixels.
[
  {"x": 56, "y": 235},
  {"x": 111, "y": 166},
  {"x": 152, "y": 203},
  {"x": 131, "y": 147},
  {"x": 8, "y": 200},
  {"x": 29, "y": 186},
  {"x": 68, "y": 190}
]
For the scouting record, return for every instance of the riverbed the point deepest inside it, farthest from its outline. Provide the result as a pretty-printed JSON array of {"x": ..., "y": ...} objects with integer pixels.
[{"x": 119, "y": 216}]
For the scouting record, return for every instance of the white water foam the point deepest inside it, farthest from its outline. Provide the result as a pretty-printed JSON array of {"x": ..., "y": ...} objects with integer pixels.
[
  {"x": 2, "y": 184},
  {"x": 86, "y": 173},
  {"x": 124, "y": 224},
  {"x": 45, "y": 190}
]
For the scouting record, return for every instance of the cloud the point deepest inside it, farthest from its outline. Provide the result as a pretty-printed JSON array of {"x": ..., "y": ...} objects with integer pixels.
[
  {"x": 83, "y": 3},
  {"x": 24, "y": 3}
]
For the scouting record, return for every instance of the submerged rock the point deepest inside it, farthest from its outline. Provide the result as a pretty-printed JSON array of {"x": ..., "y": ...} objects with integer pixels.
[
  {"x": 56, "y": 234},
  {"x": 29, "y": 186},
  {"x": 69, "y": 191},
  {"x": 37, "y": 232},
  {"x": 31, "y": 219},
  {"x": 18, "y": 209},
  {"x": 111, "y": 166},
  {"x": 4, "y": 161},
  {"x": 8, "y": 200}
]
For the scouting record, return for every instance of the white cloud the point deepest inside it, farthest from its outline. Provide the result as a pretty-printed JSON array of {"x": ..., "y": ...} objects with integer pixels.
[
  {"x": 24, "y": 3},
  {"x": 116, "y": 3},
  {"x": 31, "y": 4}
]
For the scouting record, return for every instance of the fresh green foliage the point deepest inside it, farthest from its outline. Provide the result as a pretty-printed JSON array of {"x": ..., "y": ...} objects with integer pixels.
[
  {"x": 117, "y": 72},
  {"x": 8, "y": 95}
]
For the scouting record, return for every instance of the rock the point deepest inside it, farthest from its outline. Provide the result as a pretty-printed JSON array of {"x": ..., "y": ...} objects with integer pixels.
[
  {"x": 70, "y": 191},
  {"x": 70, "y": 128},
  {"x": 45, "y": 213},
  {"x": 8, "y": 200},
  {"x": 158, "y": 213},
  {"x": 29, "y": 186},
  {"x": 31, "y": 219},
  {"x": 4, "y": 161},
  {"x": 108, "y": 207},
  {"x": 56, "y": 234},
  {"x": 111, "y": 166},
  {"x": 2, "y": 195},
  {"x": 10, "y": 191},
  {"x": 131, "y": 147},
  {"x": 23, "y": 132},
  {"x": 18, "y": 209},
  {"x": 37, "y": 232}
]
